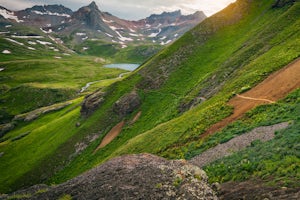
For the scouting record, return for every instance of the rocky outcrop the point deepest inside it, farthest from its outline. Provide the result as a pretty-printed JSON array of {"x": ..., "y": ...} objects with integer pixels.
[
  {"x": 91, "y": 103},
  {"x": 30, "y": 116},
  {"x": 127, "y": 104},
  {"x": 5, "y": 128},
  {"x": 141, "y": 176},
  {"x": 281, "y": 3}
]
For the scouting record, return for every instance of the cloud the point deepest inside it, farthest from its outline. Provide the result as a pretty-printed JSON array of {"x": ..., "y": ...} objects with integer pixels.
[
  {"x": 130, "y": 9},
  {"x": 16, "y": 4}
]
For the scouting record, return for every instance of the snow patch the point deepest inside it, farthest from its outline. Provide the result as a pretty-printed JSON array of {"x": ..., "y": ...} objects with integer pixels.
[
  {"x": 134, "y": 35},
  {"x": 56, "y": 40},
  {"x": 31, "y": 48},
  {"x": 6, "y": 52},
  {"x": 123, "y": 39},
  {"x": 57, "y": 57},
  {"x": 164, "y": 43},
  {"x": 107, "y": 21},
  {"x": 85, "y": 48},
  {"x": 44, "y": 31},
  {"x": 4, "y": 32},
  {"x": 14, "y": 41},
  {"x": 81, "y": 34},
  {"x": 155, "y": 34},
  {"x": 162, "y": 38},
  {"x": 85, "y": 38},
  {"x": 66, "y": 54},
  {"x": 148, "y": 25},
  {"x": 32, "y": 43},
  {"x": 113, "y": 28},
  {"x": 1, "y": 69},
  {"x": 9, "y": 15},
  {"x": 43, "y": 42},
  {"x": 124, "y": 46},
  {"x": 109, "y": 35},
  {"x": 8, "y": 26},
  {"x": 26, "y": 37},
  {"x": 131, "y": 30},
  {"x": 176, "y": 35},
  {"x": 50, "y": 13}
]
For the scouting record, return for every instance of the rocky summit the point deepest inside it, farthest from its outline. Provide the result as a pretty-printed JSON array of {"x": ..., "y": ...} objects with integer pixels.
[{"x": 142, "y": 176}]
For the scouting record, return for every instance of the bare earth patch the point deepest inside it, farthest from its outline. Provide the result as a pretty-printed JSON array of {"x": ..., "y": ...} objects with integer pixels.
[
  {"x": 113, "y": 133},
  {"x": 272, "y": 89}
]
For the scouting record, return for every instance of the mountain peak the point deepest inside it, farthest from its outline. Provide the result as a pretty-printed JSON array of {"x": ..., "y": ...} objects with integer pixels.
[{"x": 93, "y": 5}]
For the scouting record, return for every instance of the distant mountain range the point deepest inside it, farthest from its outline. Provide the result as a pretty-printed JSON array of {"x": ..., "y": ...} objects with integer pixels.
[{"x": 89, "y": 23}]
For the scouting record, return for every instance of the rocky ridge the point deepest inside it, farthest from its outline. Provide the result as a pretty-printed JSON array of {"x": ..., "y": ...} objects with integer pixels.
[{"x": 90, "y": 23}]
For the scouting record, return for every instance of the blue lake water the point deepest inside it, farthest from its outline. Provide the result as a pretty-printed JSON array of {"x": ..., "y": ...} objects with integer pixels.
[{"x": 129, "y": 67}]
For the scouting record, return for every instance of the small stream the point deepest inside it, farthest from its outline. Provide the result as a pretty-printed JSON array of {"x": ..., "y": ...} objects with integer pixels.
[{"x": 128, "y": 67}]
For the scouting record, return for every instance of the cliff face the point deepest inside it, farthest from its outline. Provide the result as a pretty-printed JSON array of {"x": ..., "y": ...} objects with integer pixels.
[{"x": 141, "y": 176}]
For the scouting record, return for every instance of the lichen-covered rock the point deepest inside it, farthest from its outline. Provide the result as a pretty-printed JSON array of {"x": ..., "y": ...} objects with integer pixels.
[
  {"x": 141, "y": 176},
  {"x": 91, "y": 103},
  {"x": 127, "y": 104}
]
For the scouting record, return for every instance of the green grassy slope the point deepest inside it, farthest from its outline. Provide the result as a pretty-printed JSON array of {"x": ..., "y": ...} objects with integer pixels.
[
  {"x": 238, "y": 56},
  {"x": 232, "y": 50},
  {"x": 29, "y": 84}
]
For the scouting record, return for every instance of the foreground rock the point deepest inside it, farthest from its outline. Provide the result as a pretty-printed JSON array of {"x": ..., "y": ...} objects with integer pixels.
[
  {"x": 141, "y": 176},
  {"x": 257, "y": 189}
]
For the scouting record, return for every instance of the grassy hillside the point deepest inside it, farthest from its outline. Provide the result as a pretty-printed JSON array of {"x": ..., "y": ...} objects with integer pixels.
[
  {"x": 30, "y": 84},
  {"x": 228, "y": 53}
]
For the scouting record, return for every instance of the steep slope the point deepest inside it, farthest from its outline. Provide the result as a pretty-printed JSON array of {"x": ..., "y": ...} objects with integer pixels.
[
  {"x": 179, "y": 74},
  {"x": 184, "y": 90}
]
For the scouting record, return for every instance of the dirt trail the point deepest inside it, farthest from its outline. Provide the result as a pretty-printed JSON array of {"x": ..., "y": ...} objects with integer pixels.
[
  {"x": 254, "y": 99},
  {"x": 275, "y": 87},
  {"x": 113, "y": 133}
]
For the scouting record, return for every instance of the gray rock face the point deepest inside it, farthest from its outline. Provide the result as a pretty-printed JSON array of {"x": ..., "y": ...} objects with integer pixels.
[
  {"x": 141, "y": 176},
  {"x": 91, "y": 103},
  {"x": 4, "y": 128},
  {"x": 127, "y": 104}
]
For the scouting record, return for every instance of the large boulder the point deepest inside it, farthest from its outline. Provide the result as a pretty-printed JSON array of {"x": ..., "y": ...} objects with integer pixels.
[
  {"x": 91, "y": 103},
  {"x": 127, "y": 104},
  {"x": 141, "y": 176}
]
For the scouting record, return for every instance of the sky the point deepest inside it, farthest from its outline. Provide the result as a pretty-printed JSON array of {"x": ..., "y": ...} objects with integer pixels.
[{"x": 129, "y": 9}]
